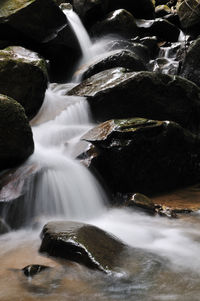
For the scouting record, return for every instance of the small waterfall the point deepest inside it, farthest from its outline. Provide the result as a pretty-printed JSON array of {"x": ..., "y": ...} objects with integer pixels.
[
  {"x": 61, "y": 186},
  {"x": 80, "y": 32}
]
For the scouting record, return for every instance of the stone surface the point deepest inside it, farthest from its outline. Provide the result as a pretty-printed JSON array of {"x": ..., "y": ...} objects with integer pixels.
[
  {"x": 38, "y": 20},
  {"x": 119, "y": 22},
  {"x": 145, "y": 156},
  {"x": 23, "y": 76},
  {"x": 191, "y": 64},
  {"x": 83, "y": 243},
  {"x": 117, "y": 93},
  {"x": 161, "y": 28},
  {"x": 189, "y": 13},
  {"x": 16, "y": 142},
  {"x": 34, "y": 269},
  {"x": 118, "y": 58}
]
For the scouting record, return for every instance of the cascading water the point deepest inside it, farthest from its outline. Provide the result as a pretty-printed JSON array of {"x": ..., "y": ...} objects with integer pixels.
[
  {"x": 80, "y": 32},
  {"x": 166, "y": 266}
]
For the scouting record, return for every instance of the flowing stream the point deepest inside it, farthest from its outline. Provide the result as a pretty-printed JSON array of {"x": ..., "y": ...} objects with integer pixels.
[{"x": 165, "y": 264}]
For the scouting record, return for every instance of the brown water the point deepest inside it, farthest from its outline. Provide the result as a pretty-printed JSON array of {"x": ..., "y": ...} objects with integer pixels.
[{"x": 155, "y": 269}]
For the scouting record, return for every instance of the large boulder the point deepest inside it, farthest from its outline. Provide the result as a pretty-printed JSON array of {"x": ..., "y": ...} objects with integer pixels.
[
  {"x": 191, "y": 64},
  {"x": 38, "y": 20},
  {"x": 116, "y": 93},
  {"x": 143, "y": 9},
  {"x": 118, "y": 58},
  {"x": 188, "y": 12},
  {"x": 23, "y": 76},
  {"x": 82, "y": 243},
  {"x": 119, "y": 22},
  {"x": 92, "y": 10},
  {"x": 146, "y": 156},
  {"x": 16, "y": 143},
  {"x": 161, "y": 28}
]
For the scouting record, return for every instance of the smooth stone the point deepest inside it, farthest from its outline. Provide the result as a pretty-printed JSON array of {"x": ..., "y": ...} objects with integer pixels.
[
  {"x": 117, "y": 93},
  {"x": 145, "y": 156},
  {"x": 16, "y": 142},
  {"x": 23, "y": 76},
  {"x": 191, "y": 64},
  {"x": 119, "y": 22},
  {"x": 82, "y": 243},
  {"x": 117, "y": 58}
]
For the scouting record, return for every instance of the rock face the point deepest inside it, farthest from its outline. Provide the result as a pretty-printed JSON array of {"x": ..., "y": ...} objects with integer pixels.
[
  {"x": 92, "y": 10},
  {"x": 83, "y": 243},
  {"x": 119, "y": 22},
  {"x": 191, "y": 64},
  {"x": 116, "y": 93},
  {"x": 16, "y": 143},
  {"x": 119, "y": 58},
  {"x": 188, "y": 13},
  {"x": 161, "y": 28},
  {"x": 23, "y": 76},
  {"x": 38, "y": 20},
  {"x": 140, "y": 155}
]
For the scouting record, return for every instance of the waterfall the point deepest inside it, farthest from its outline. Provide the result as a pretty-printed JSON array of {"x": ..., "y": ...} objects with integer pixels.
[
  {"x": 80, "y": 32},
  {"x": 62, "y": 187}
]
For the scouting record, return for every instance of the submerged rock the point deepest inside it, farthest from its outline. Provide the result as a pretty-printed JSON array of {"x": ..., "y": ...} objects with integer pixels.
[
  {"x": 83, "y": 243},
  {"x": 146, "y": 156},
  {"x": 191, "y": 63},
  {"x": 117, "y": 93},
  {"x": 16, "y": 143},
  {"x": 23, "y": 76},
  {"x": 37, "y": 20},
  {"x": 118, "y": 58},
  {"x": 34, "y": 269}
]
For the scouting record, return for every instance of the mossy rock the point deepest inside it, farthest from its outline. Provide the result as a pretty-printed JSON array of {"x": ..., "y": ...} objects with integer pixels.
[
  {"x": 117, "y": 93},
  {"x": 82, "y": 243},
  {"x": 23, "y": 76},
  {"x": 145, "y": 156},
  {"x": 16, "y": 141},
  {"x": 38, "y": 20}
]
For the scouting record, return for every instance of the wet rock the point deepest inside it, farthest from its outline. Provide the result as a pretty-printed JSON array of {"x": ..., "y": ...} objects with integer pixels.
[
  {"x": 92, "y": 10},
  {"x": 140, "y": 200},
  {"x": 152, "y": 44},
  {"x": 35, "y": 19},
  {"x": 34, "y": 269},
  {"x": 145, "y": 203},
  {"x": 143, "y": 9},
  {"x": 83, "y": 243},
  {"x": 161, "y": 28},
  {"x": 162, "y": 10},
  {"x": 188, "y": 13},
  {"x": 23, "y": 76},
  {"x": 117, "y": 93},
  {"x": 145, "y": 156},
  {"x": 191, "y": 64},
  {"x": 183, "y": 200},
  {"x": 13, "y": 187},
  {"x": 4, "y": 228},
  {"x": 119, "y": 22},
  {"x": 119, "y": 58},
  {"x": 16, "y": 142},
  {"x": 140, "y": 49}
]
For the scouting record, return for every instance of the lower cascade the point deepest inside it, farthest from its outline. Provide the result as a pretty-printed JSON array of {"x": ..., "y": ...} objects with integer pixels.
[{"x": 69, "y": 231}]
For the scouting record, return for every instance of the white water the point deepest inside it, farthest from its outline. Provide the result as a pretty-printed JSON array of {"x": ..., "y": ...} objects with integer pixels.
[
  {"x": 65, "y": 189},
  {"x": 80, "y": 32}
]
